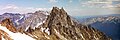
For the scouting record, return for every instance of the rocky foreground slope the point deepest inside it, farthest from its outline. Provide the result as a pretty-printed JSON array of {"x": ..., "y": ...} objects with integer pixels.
[
  {"x": 9, "y": 32},
  {"x": 57, "y": 26}
]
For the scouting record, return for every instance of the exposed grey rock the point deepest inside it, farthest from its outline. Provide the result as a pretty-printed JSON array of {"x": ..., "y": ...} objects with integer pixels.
[{"x": 59, "y": 26}]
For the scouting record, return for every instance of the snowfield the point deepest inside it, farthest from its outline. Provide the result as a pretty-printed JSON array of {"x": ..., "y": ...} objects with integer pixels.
[{"x": 16, "y": 36}]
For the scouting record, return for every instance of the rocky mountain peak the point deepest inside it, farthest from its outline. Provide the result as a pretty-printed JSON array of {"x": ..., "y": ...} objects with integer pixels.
[
  {"x": 59, "y": 26},
  {"x": 56, "y": 10}
]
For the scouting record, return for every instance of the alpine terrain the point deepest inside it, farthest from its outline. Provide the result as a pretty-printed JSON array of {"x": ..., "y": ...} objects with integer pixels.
[{"x": 43, "y": 25}]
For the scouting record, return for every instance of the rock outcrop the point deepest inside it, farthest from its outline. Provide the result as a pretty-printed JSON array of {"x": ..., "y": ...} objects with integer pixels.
[
  {"x": 9, "y": 25},
  {"x": 59, "y": 26},
  {"x": 9, "y": 32}
]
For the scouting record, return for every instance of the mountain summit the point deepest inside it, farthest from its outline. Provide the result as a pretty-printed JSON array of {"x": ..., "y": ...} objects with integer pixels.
[{"x": 58, "y": 25}]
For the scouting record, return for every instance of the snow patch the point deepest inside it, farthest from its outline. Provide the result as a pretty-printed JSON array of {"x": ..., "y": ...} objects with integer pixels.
[
  {"x": 42, "y": 29},
  {"x": 3, "y": 38},
  {"x": 44, "y": 21},
  {"x": 38, "y": 24},
  {"x": 59, "y": 35},
  {"x": 16, "y": 36},
  {"x": 46, "y": 13},
  {"x": 18, "y": 20},
  {"x": 21, "y": 17},
  {"x": 47, "y": 31},
  {"x": 27, "y": 28}
]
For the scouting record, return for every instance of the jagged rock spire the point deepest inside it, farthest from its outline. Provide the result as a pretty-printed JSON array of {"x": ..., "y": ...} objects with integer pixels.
[
  {"x": 61, "y": 26},
  {"x": 56, "y": 10}
]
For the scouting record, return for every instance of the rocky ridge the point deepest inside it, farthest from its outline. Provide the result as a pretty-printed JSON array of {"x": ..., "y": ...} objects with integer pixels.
[
  {"x": 9, "y": 32},
  {"x": 59, "y": 26}
]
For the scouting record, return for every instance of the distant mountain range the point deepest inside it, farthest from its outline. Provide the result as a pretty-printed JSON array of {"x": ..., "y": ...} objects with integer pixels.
[
  {"x": 43, "y": 25},
  {"x": 109, "y": 24},
  {"x": 20, "y": 20}
]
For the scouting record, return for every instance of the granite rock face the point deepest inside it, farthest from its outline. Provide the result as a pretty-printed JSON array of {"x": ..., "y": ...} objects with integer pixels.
[{"x": 59, "y": 26}]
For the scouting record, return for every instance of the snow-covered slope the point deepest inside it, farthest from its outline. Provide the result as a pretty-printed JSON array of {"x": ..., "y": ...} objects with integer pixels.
[{"x": 16, "y": 36}]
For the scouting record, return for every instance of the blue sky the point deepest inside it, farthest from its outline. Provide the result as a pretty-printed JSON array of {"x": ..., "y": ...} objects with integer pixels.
[{"x": 73, "y": 7}]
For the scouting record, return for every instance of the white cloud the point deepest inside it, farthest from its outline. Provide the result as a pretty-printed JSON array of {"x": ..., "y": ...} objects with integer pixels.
[
  {"x": 52, "y": 1},
  {"x": 16, "y": 9},
  {"x": 70, "y": 1},
  {"x": 115, "y": 0},
  {"x": 93, "y": 11},
  {"x": 100, "y": 3},
  {"x": 10, "y": 6}
]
